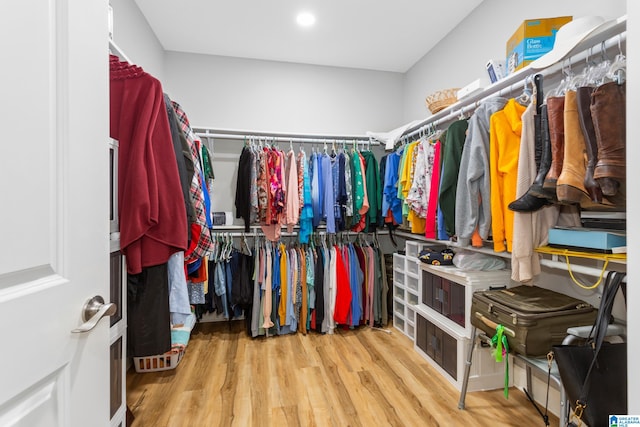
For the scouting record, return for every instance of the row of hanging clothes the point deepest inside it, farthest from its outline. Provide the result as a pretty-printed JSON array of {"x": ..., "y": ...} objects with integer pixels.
[
  {"x": 517, "y": 166},
  {"x": 164, "y": 214},
  {"x": 285, "y": 287},
  {"x": 339, "y": 187}
]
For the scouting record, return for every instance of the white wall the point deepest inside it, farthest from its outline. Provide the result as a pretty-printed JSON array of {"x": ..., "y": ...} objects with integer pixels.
[
  {"x": 235, "y": 93},
  {"x": 132, "y": 34},
  {"x": 460, "y": 57},
  {"x": 633, "y": 205}
]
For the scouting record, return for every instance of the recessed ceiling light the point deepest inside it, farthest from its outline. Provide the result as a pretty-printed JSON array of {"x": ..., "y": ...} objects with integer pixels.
[{"x": 305, "y": 19}]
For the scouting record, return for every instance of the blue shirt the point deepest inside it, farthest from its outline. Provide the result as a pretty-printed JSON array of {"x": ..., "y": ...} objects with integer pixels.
[
  {"x": 327, "y": 198},
  {"x": 315, "y": 189},
  {"x": 390, "y": 199},
  {"x": 306, "y": 216}
]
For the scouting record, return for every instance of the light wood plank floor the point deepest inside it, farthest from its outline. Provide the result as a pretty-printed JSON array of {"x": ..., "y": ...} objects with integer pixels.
[{"x": 364, "y": 377}]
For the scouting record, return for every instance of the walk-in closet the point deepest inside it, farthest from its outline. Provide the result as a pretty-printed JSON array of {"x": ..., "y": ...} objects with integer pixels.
[{"x": 320, "y": 213}]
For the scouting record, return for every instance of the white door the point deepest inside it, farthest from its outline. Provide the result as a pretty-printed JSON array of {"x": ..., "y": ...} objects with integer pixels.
[{"x": 54, "y": 210}]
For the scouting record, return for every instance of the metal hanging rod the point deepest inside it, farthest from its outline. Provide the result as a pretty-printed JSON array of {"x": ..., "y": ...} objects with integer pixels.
[
  {"x": 204, "y": 132},
  {"x": 113, "y": 47},
  {"x": 604, "y": 40}
]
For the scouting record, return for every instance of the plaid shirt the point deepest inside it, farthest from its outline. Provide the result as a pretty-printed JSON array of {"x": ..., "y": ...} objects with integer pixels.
[{"x": 205, "y": 243}]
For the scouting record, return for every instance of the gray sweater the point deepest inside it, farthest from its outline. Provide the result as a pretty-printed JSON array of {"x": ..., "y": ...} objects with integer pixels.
[{"x": 473, "y": 197}]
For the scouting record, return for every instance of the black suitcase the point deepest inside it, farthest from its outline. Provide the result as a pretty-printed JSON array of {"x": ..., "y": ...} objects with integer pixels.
[{"x": 535, "y": 319}]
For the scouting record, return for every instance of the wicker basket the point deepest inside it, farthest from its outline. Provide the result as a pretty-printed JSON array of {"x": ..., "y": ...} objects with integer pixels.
[{"x": 442, "y": 99}]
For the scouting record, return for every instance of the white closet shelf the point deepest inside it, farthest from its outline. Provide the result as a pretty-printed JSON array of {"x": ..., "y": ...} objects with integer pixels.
[
  {"x": 554, "y": 261},
  {"x": 609, "y": 38},
  {"x": 451, "y": 244}
]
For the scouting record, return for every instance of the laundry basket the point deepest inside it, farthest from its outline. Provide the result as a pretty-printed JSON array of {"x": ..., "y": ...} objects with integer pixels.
[{"x": 162, "y": 362}]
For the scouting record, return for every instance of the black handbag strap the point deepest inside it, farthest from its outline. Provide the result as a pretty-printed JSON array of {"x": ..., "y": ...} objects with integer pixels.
[{"x": 599, "y": 331}]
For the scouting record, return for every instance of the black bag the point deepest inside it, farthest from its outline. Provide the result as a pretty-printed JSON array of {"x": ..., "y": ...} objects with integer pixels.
[{"x": 595, "y": 377}]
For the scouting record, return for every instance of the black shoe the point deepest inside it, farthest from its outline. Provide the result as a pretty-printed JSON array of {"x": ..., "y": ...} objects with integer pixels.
[{"x": 528, "y": 203}]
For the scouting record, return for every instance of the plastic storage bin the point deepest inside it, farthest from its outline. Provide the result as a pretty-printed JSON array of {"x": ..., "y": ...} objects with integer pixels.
[{"x": 163, "y": 362}]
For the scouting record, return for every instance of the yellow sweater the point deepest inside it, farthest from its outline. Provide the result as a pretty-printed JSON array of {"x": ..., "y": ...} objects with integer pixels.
[{"x": 504, "y": 150}]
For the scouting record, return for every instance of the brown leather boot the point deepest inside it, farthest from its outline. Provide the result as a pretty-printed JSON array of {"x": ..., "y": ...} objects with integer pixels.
[
  {"x": 608, "y": 111},
  {"x": 570, "y": 185},
  {"x": 591, "y": 145},
  {"x": 555, "y": 112}
]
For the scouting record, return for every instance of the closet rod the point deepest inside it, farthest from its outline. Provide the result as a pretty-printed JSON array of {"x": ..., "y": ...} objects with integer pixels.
[
  {"x": 279, "y": 136},
  {"x": 114, "y": 48},
  {"x": 223, "y": 229},
  {"x": 284, "y": 233},
  {"x": 609, "y": 38}
]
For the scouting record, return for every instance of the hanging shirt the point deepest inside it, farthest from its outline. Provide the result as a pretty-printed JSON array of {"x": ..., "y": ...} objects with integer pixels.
[
  {"x": 342, "y": 291},
  {"x": 505, "y": 131},
  {"x": 315, "y": 189},
  {"x": 293, "y": 198},
  {"x": 416, "y": 199},
  {"x": 253, "y": 188},
  {"x": 306, "y": 215},
  {"x": 364, "y": 208},
  {"x": 328, "y": 203},
  {"x": 348, "y": 185},
  {"x": 357, "y": 183},
  {"x": 191, "y": 149},
  {"x": 432, "y": 208},
  {"x": 374, "y": 192},
  {"x": 355, "y": 282},
  {"x": 268, "y": 287},
  {"x": 335, "y": 175},
  {"x": 456, "y": 135},
  {"x": 473, "y": 192},
  {"x": 153, "y": 220},
  {"x": 390, "y": 201}
]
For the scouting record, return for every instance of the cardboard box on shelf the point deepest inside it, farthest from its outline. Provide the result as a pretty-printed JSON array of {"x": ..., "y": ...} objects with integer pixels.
[{"x": 532, "y": 39}]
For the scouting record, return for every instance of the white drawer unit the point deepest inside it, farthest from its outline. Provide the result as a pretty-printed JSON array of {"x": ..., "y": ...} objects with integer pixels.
[
  {"x": 446, "y": 291},
  {"x": 406, "y": 295},
  {"x": 409, "y": 321},
  {"x": 446, "y": 350},
  {"x": 398, "y": 292},
  {"x": 412, "y": 285},
  {"x": 412, "y": 267},
  {"x": 413, "y": 248}
]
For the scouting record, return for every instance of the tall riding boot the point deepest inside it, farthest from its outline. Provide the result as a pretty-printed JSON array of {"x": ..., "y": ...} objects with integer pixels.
[
  {"x": 591, "y": 144},
  {"x": 555, "y": 111},
  {"x": 570, "y": 185},
  {"x": 535, "y": 197},
  {"x": 609, "y": 119}
]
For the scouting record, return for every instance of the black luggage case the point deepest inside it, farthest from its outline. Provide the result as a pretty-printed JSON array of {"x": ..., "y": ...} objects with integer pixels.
[{"x": 535, "y": 319}]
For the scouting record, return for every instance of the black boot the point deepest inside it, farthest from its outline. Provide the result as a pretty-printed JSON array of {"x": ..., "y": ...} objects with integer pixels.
[{"x": 535, "y": 198}]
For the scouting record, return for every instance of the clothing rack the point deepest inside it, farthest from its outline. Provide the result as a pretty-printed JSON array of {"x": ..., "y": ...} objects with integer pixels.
[
  {"x": 205, "y": 132},
  {"x": 590, "y": 46},
  {"x": 256, "y": 232}
]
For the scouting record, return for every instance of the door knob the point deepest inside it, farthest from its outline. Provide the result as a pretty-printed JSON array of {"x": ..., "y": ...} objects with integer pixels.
[{"x": 94, "y": 310}]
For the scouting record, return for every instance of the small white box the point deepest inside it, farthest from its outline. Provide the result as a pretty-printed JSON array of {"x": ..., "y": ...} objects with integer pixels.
[{"x": 474, "y": 87}]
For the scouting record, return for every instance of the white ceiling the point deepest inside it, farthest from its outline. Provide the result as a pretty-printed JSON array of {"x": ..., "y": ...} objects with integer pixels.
[{"x": 387, "y": 35}]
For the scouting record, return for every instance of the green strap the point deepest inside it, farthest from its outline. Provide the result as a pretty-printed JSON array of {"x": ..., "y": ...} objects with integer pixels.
[{"x": 499, "y": 341}]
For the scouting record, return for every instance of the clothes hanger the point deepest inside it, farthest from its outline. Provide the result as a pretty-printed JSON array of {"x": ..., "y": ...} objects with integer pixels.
[
  {"x": 246, "y": 245},
  {"x": 527, "y": 93},
  {"x": 618, "y": 69},
  {"x": 598, "y": 72},
  {"x": 560, "y": 90}
]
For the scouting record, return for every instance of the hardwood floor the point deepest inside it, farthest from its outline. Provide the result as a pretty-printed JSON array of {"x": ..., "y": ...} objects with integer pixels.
[{"x": 364, "y": 377}]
